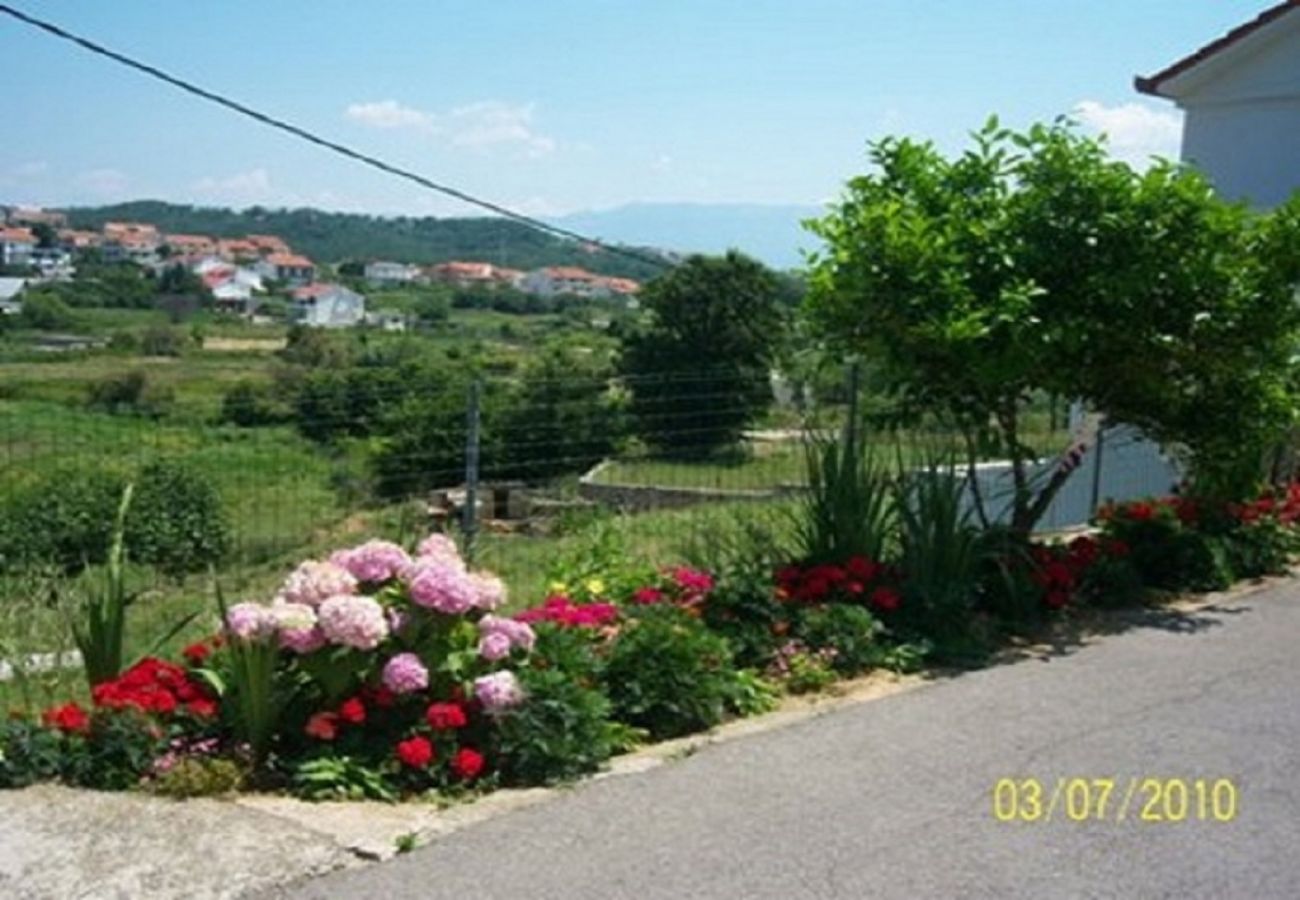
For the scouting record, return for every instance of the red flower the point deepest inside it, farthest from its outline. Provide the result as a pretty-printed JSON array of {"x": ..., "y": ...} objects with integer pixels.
[
  {"x": 1117, "y": 548},
  {"x": 324, "y": 726},
  {"x": 467, "y": 763},
  {"x": 1140, "y": 511},
  {"x": 445, "y": 716},
  {"x": 862, "y": 568},
  {"x": 415, "y": 752},
  {"x": 69, "y": 718},
  {"x": 353, "y": 711},
  {"x": 1056, "y": 599},
  {"x": 692, "y": 581},
  {"x": 196, "y": 653},
  {"x": 647, "y": 595},
  {"x": 885, "y": 599},
  {"x": 202, "y": 708},
  {"x": 381, "y": 697}
]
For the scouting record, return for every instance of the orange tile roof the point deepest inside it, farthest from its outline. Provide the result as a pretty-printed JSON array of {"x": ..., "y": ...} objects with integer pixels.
[
  {"x": 17, "y": 235},
  {"x": 570, "y": 273},
  {"x": 290, "y": 261}
]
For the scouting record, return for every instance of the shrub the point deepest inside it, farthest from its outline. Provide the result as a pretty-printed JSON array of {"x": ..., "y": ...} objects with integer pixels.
[
  {"x": 28, "y": 753},
  {"x": 131, "y": 393},
  {"x": 250, "y": 404},
  {"x": 65, "y": 518},
  {"x": 850, "y": 631},
  {"x": 161, "y": 340},
  {"x": 177, "y": 523},
  {"x": 669, "y": 674},
  {"x": 199, "y": 776},
  {"x": 561, "y": 731},
  {"x": 1167, "y": 549}
]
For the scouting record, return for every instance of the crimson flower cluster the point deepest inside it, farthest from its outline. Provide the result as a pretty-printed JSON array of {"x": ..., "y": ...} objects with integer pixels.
[
  {"x": 859, "y": 580},
  {"x": 1058, "y": 570},
  {"x": 564, "y": 612},
  {"x": 155, "y": 686}
]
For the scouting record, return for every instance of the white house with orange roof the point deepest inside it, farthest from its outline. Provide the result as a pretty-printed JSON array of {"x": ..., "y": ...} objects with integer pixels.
[
  {"x": 464, "y": 274},
  {"x": 287, "y": 267},
  {"x": 1240, "y": 96},
  {"x": 327, "y": 306},
  {"x": 190, "y": 244},
  {"x": 268, "y": 243},
  {"x": 575, "y": 282},
  {"x": 16, "y": 246}
]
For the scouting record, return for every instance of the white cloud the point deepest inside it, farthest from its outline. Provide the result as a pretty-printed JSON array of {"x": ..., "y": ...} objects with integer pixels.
[
  {"x": 388, "y": 114},
  {"x": 662, "y": 163},
  {"x": 1136, "y": 132},
  {"x": 105, "y": 183},
  {"x": 492, "y": 122},
  {"x": 487, "y": 123},
  {"x": 241, "y": 185}
]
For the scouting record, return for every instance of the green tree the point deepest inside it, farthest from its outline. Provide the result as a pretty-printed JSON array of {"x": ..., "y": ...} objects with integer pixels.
[
  {"x": 1033, "y": 262},
  {"x": 699, "y": 368},
  {"x": 44, "y": 310}
]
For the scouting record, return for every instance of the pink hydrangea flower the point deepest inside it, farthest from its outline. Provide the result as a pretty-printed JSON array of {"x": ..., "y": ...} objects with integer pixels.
[
  {"x": 493, "y": 647},
  {"x": 296, "y": 624},
  {"x": 250, "y": 621},
  {"x": 315, "y": 581},
  {"x": 441, "y": 548},
  {"x": 441, "y": 587},
  {"x": 373, "y": 561},
  {"x": 405, "y": 674},
  {"x": 357, "y": 622},
  {"x": 498, "y": 691},
  {"x": 517, "y": 633},
  {"x": 489, "y": 590}
]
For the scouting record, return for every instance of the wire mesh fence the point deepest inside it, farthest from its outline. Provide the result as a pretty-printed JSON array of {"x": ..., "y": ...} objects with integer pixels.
[{"x": 302, "y": 462}]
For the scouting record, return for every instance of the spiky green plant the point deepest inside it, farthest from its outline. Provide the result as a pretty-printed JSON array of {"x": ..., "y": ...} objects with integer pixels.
[
  {"x": 848, "y": 509},
  {"x": 250, "y": 692},
  {"x": 99, "y": 623},
  {"x": 941, "y": 551}
]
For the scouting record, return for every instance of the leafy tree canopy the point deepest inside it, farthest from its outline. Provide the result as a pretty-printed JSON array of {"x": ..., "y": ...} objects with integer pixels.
[{"x": 1034, "y": 262}]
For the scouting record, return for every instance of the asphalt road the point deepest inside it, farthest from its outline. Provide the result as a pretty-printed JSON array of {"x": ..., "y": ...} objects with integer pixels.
[{"x": 893, "y": 798}]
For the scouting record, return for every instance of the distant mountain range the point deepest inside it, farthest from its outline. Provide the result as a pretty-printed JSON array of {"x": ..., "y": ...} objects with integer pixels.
[{"x": 772, "y": 234}]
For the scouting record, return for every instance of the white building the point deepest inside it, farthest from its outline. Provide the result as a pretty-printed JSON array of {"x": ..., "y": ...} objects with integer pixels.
[
  {"x": 566, "y": 280},
  {"x": 53, "y": 263},
  {"x": 327, "y": 306},
  {"x": 16, "y": 246},
  {"x": 1241, "y": 97},
  {"x": 287, "y": 267},
  {"x": 10, "y": 290},
  {"x": 383, "y": 272}
]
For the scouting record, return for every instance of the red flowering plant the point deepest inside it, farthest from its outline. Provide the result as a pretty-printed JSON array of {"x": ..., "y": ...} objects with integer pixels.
[
  {"x": 859, "y": 580},
  {"x": 1176, "y": 542}
]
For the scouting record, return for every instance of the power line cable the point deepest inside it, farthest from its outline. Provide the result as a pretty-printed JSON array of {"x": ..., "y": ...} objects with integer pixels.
[{"x": 311, "y": 137}]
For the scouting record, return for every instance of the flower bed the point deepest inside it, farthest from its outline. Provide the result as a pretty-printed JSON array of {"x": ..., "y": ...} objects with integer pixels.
[{"x": 382, "y": 673}]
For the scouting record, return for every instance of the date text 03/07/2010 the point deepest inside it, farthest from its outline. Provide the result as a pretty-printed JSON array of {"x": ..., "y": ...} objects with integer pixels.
[{"x": 1171, "y": 800}]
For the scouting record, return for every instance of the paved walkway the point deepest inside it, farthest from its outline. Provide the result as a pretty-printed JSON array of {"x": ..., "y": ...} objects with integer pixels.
[{"x": 893, "y": 798}]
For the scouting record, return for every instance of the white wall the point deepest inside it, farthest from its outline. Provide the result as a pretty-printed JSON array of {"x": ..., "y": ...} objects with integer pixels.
[{"x": 1242, "y": 125}]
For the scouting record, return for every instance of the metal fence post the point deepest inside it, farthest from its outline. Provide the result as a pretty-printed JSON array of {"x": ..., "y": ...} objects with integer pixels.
[
  {"x": 851, "y": 426},
  {"x": 1096, "y": 468},
  {"x": 469, "y": 516}
]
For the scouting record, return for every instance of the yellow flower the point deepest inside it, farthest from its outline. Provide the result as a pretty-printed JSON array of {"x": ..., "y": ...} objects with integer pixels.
[
  {"x": 559, "y": 587},
  {"x": 595, "y": 587}
]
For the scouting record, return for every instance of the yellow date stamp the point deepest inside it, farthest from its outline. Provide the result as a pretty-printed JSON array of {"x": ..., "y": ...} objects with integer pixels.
[{"x": 1170, "y": 800}]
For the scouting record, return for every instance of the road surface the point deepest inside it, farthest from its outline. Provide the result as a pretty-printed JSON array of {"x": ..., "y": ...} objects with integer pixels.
[{"x": 894, "y": 798}]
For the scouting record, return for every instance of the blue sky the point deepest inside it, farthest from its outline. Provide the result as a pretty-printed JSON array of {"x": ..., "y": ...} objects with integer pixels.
[{"x": 562, "y": 105}]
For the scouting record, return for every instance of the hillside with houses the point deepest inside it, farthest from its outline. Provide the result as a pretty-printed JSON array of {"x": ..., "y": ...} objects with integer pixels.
[{"x": 261, "y": 277}]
